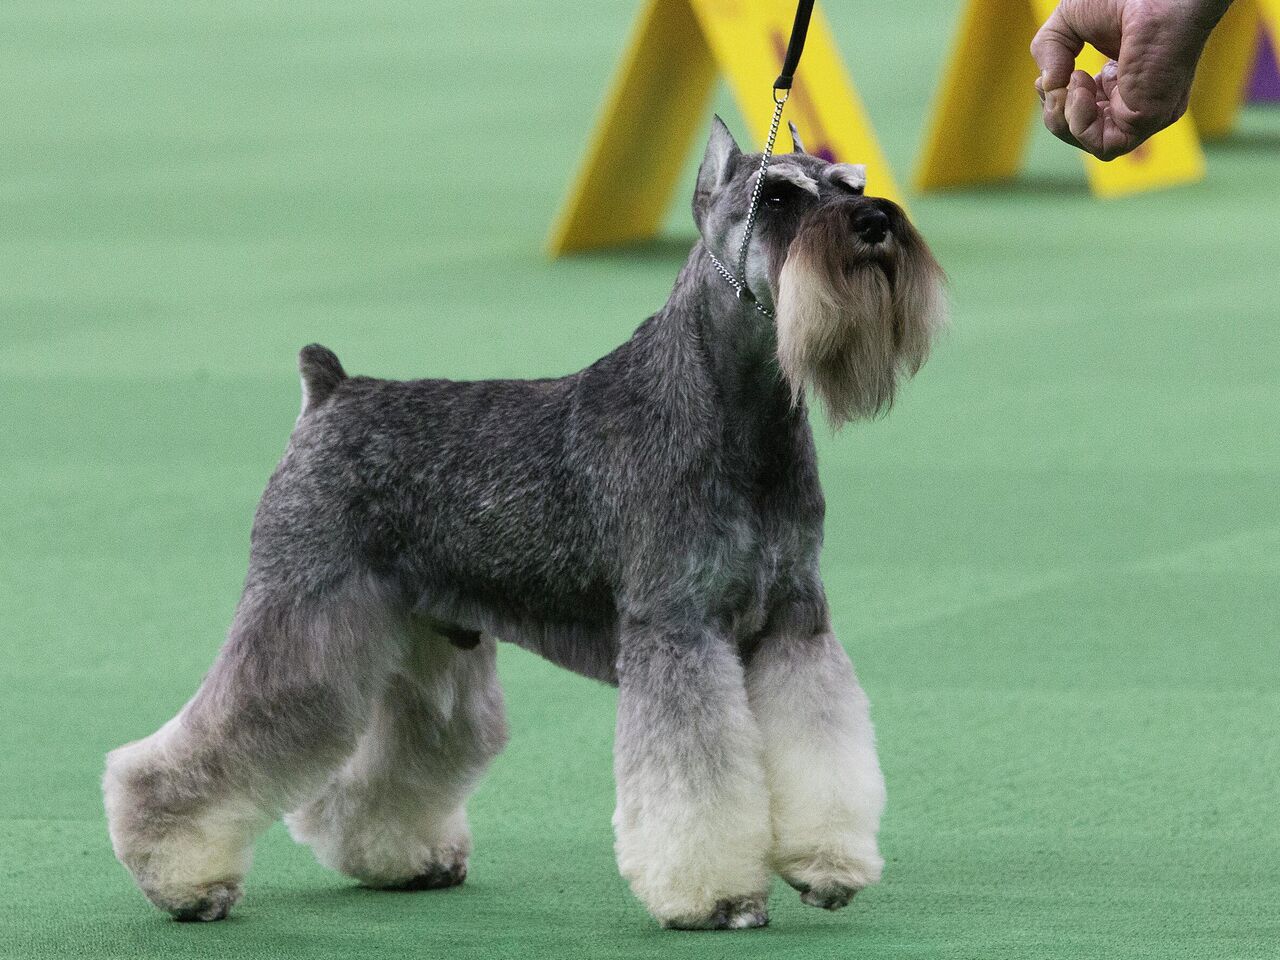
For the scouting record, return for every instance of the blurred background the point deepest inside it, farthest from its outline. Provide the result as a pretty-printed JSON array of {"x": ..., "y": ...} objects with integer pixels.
[{"x": 1056, "y": 563}]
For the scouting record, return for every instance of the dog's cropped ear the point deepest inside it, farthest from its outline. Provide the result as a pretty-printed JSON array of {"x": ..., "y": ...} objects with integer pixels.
[
  {"x": 717, "y": 163},
  {"x": 717, "y": 167},
  {"x": 797, "y": 145}
]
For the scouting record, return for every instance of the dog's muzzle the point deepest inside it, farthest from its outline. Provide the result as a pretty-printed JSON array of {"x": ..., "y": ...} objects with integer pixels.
[{"x": 859, "y": 299}]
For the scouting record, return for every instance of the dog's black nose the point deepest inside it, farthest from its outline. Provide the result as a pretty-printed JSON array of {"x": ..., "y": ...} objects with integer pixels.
[{"x": 871, "y": 224}]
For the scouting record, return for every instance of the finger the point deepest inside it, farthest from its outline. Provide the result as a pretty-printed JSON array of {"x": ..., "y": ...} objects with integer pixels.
[
  {"x": 1118, "y": 137},
  {"x": 1106, "y": 80},
  {"x": 1086, "y": 118},
  {"x": 1092, "y": 123},
  {"x": 1054, "y": 113},
  {"x": 1137, "y": 114},
  {"x": 1054, "y": 49},
  {"x": 1155, "y": 71}
]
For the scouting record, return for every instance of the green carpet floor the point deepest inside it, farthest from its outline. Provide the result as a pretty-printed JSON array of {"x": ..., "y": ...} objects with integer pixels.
[{"x": 1057, "y": 563}]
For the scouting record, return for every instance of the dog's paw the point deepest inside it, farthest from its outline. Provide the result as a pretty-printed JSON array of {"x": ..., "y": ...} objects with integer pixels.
[
  {"x": 429, "y": 868},
  {"x": 830, "y": 881},
  {"x": 383, "y": 853},
  {"x": 436, "y": 876},
  {"x": 828, "y": 898},
  {"x": 731, "y": 913},
  {"x": 211, "y": 902}
]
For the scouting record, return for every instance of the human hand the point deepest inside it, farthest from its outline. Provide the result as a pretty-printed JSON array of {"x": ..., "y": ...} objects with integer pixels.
[{"x": 1153, "y": 46}]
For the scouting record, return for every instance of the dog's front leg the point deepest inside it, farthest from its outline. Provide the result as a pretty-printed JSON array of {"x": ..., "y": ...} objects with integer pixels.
[
  {"x": 692, "y": 818},
  {"x": 825, "y": 785}
]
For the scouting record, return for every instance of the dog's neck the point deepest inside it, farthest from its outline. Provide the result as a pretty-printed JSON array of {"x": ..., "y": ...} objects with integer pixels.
[{"x": 704, "y": 323}]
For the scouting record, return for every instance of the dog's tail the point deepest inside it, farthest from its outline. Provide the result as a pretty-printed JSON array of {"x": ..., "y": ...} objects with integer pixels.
[{"x": 321, "y": 373}]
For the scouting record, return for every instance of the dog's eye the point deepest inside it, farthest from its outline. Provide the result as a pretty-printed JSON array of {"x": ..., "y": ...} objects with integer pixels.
[{"x": 778, "y": 194}]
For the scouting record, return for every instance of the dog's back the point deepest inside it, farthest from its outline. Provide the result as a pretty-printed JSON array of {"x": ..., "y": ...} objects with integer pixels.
[{"x": 463, "y": 494}]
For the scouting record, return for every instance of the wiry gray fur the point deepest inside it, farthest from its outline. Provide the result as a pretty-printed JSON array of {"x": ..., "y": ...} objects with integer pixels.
[{"x": 650, "y": 521}]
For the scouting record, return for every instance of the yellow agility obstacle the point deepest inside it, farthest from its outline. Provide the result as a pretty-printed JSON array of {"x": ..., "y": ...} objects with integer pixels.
[
  {"x": 658, "y": 105},
  {"x": 987, "y": 106},
  {"x": 1223, "y": 76}
]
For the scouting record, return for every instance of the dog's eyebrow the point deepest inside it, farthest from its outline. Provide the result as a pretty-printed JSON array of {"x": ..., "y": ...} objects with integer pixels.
[
  {"x": 792, "y": 174},
  {"x": 851, "y": 175}
]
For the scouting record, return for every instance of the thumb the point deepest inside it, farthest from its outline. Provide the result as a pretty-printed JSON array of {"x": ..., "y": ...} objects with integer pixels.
[{"x": 1054, "y": 48}]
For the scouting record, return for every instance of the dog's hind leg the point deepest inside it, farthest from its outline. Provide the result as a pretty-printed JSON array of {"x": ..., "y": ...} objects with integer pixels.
[
  {"x": 692, "y": 818},
  {"x": 393, "y": 816},
  {"x": 825, "y": 785},
  {"x": 282, "y": 706}
]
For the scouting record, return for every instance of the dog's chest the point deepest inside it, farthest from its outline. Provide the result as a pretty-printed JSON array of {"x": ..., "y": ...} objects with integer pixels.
[{"x": 755, "y": 562}]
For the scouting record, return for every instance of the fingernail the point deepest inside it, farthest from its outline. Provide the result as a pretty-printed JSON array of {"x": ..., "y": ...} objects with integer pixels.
[{"x": 1040, "y": 90}]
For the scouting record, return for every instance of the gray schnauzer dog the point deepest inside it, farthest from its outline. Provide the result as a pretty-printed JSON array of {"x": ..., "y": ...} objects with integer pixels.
[{"x": 653, "y": 521}]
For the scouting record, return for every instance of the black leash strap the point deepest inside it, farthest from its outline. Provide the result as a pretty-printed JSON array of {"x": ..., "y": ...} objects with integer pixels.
[
  {"x": 781, "y": 91},
  {"x": 795, "y": 46}
]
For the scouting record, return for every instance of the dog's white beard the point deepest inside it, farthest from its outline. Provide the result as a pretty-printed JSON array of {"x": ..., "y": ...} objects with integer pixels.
[{"x": 845, "y": 329}]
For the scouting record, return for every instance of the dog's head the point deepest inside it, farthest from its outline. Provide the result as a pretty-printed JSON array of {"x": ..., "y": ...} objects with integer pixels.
[{"x": 856, "y": 292}]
